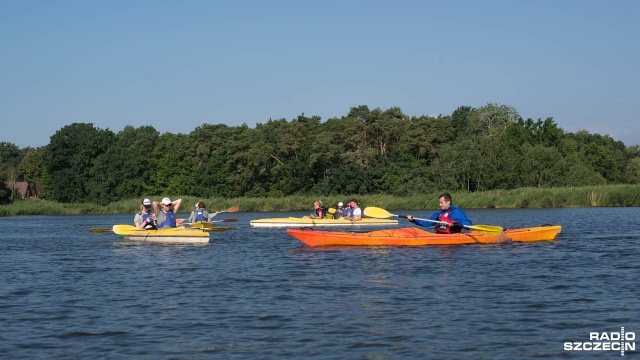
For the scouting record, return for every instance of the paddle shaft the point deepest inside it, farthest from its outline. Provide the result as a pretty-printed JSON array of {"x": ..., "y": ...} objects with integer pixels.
[
  {"x": 483, "y": 228},
  {"x": 433, "y": 221},
  {"x": 382, "y": 213},
  {"x": 213, "y": 221}
]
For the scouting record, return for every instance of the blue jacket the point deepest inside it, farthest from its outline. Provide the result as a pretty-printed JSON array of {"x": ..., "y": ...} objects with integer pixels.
[
  {"x": 456, "y": 215},
  {"x": 169, "y": 220},
  {"x": 201, "y": 215}
]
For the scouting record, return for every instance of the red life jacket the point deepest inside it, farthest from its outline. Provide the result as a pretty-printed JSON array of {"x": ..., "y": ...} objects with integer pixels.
[{"x": 444, "y": 228}]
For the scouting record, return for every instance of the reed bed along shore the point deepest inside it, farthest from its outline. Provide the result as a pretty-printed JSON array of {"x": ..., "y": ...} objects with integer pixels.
[{"x": 585, "y": 196}]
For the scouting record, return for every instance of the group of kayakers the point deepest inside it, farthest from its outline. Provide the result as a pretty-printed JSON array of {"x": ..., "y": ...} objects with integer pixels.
[
  {"x": 351, "y": 211},
  {"x": 159, "y": 215},
  {"x": 450, "y": 219}
]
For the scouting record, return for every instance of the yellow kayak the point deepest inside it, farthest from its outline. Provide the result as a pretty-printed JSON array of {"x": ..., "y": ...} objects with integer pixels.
[
  {"x": 295, "y": 221},
  {"x": 171, "y": 235}
]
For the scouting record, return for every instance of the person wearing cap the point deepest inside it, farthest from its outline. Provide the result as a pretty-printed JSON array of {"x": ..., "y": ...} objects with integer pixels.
[
  {"x": 341, "y": 212},
  {"x": 355, "y": 213},
  {"x": 145, "y": 219},
  {"x": 201, "y": 213},
  {"x": 165, "y": 212}
]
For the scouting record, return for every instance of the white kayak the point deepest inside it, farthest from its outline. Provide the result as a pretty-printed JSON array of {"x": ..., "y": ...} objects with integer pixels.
[{"x": 296, "y": 221}]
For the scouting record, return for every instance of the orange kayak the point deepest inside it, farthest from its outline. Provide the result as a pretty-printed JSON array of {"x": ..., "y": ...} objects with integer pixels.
[
  {"x": 540, "y": 233},
  {"x": 419, "y": 237},
  {"x": 394, "y": 237}
]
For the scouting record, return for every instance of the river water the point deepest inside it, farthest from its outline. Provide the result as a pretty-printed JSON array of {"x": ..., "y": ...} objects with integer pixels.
[{"x": 261, "y": 294}]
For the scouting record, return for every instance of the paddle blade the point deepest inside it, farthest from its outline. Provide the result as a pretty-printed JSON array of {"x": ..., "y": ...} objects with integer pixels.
[
  {"x": 179, "y": 221},
  {"x": 331, "y": 210},
  {"x": 232, "y": 209},
  {"x": 229, "y": 220},
  {"x": 376, "y": 212},
  {"x": 489, "y": 229},
  {"x": 201, "y": 225},
  {"x": 99, "y": 231}
]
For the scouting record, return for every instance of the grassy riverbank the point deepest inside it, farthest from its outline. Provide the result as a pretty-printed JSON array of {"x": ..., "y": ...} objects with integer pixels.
[{"x": 586, "y": 196}]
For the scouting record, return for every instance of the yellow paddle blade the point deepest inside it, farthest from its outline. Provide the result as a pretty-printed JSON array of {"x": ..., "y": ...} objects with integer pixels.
[
  {"x": 331, "y": 210},
  {"x": 201, "y": 225},
  {"x": 377, "y": 212},
  {"x": 489, "y": 229}
]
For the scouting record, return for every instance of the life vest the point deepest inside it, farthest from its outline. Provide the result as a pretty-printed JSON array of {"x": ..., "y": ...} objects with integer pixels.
[
  {"x": 444, "y": 228},
  {"x": 200, "y": 215},
  {"x": 169, "y": 220},
  {"x": 340, "y": 213},
  {"x": 348, "y": 213},
  {"x": 149, "y": 223},
  {"x": 145, "y": 216},
  {"x": 320, "y": 213}
]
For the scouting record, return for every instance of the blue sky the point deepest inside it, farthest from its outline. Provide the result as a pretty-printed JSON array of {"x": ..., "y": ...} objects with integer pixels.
[{"x": 176, "y": 65}]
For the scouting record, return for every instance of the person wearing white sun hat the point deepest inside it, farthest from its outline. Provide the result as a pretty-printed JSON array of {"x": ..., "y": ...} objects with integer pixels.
[
  {"x": 165, "y": 212},
  {"x": 341, "y": 212}
]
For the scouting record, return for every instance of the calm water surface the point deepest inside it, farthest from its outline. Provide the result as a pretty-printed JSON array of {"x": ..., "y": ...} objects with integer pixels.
[{"x": 259, "y": 293}]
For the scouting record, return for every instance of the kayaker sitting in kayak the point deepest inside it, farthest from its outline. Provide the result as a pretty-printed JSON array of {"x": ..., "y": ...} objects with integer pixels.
[
  {"x": 166, "y": 216},
  {"x": 450, "y": 217},
  {"x": 145, "y": 219},
  {"x": 355, "y": 213},
  {"x": 318, "y": 211},
  {"x": 201, "y": 213},
  {"x": 341, "y": 212}
]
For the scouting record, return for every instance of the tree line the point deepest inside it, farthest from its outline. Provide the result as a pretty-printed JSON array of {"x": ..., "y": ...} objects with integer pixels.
[{"x": 364, "y": 152}]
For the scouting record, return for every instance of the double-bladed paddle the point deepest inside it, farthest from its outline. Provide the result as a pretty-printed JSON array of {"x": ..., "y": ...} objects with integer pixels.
[
  {"x": 380, "y": 213},
  {"x": 128, "y": 228},
  {"x": 232, "y": 209},
  {"x": 183, "y": 221}
]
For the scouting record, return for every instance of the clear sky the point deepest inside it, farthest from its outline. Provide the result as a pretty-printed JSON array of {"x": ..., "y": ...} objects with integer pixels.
[{"x": 176, "y": 65}]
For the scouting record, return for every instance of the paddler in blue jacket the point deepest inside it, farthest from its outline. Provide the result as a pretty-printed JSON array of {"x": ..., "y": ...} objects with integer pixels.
[
  {"x": 201, "y": 214},
  {"x": 450, "y": 217},
  {"x": 166, "y": 216}
]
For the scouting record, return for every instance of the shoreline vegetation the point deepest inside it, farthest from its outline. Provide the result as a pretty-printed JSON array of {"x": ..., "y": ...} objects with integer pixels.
[{"x": 567, "y": 197}]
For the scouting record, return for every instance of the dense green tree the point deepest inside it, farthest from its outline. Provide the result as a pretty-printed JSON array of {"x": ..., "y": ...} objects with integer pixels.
[
  {"x": 545, "y": 133},
  {"x": 602, "y": 153},
  {"x": 365, "y": 152},
  {"x": 32, "y": 166},
  {"x": 492, "y": 121},
  {"x": 540, "y": 166},
  {"x": 457, "y": 166},
  {"x": 173, "y": 171},
  {"x": 69, "y": 159},
  {"x": 127, "y": 168},
  {"x": 632, "y": 171},
  {"x": 10, "y": 156},
  {"x": 460, "y": 120},
  {"x": 5, "y": 191}
]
